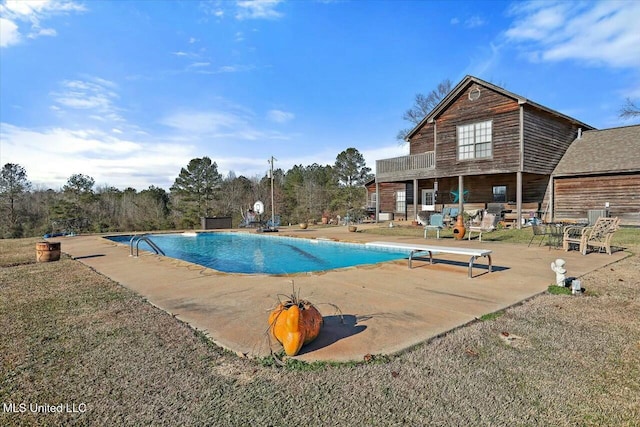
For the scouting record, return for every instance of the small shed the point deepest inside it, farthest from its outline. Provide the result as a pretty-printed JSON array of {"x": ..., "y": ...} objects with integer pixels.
[
  {"x": 599, "y": 171},
  {"x": 214, "y": 223}
]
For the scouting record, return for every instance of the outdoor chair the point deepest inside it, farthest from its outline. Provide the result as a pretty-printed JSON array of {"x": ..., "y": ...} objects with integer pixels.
[
  {"x": 538, "y": 230},
  {"x": 435, "y": 223},
  {"x": 275, "y": 223},
  {"x": 449, "y": 215},
  {"x": 486, "y": 225},
  {"x": 423, "y": 217},
  {"x": 597, "y": 236}
]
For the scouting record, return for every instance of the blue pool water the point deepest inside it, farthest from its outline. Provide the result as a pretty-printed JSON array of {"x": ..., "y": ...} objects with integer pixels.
[{"x": 267, "y": 254}]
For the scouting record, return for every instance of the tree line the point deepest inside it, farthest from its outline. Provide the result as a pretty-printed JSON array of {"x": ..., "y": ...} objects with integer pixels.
[{"x": 301, "y": 194}]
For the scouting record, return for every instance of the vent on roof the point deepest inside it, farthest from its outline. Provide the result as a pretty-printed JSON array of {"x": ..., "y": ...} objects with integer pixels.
[
  {"x": 474, "y": 94},
  {"x": 579, "y": 133}
]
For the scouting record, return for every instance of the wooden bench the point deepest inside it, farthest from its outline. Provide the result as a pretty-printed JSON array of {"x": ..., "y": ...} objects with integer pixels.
[{"x": 417, "y": 249}]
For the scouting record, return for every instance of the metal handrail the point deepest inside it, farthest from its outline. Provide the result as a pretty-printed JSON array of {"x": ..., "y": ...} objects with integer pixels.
[{"x": 143, "y": 238}]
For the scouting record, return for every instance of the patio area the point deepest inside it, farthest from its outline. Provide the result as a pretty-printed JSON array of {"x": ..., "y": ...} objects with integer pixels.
[{"x": 386, "y": 308}]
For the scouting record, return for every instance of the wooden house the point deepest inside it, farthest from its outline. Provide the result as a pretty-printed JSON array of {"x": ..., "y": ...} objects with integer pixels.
[
  {"x": 480, "y": 145},
  {"x": 599, "y": 174}
]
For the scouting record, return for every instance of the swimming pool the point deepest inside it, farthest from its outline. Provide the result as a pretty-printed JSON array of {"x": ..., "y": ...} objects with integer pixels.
[{"x": 265, "y": 254}]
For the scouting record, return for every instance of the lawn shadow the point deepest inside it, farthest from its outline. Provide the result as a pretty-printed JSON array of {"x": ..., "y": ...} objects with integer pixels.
[{"x": 334, "y": 329}]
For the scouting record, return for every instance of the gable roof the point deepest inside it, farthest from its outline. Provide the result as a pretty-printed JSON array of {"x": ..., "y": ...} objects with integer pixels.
[
  {"x": 602, "y": 151},
  {"x": 468, "y": 81}
]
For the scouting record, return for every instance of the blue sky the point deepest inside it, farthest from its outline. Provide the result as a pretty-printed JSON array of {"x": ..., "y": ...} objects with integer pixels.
[{"x": 129, "y": 91}]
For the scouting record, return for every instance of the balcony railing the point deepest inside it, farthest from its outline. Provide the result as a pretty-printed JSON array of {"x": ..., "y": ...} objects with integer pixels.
[{"x": 405, "y": 166}]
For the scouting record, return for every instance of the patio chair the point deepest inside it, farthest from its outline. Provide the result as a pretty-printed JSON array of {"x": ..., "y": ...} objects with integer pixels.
[
  {"x": 423, "y": 217},
  {"x": 275, "y": 223},
  {"x": 538, "y": 230},
  {"x": 449, "y": 216},
  {"x": 486, "y": 226},
  {"x": 435, "y": 223},
  {"x": 597, "y": 236}
]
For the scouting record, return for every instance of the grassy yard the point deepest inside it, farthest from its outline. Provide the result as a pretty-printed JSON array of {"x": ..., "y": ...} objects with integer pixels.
[{"x": 69, "y": 335}]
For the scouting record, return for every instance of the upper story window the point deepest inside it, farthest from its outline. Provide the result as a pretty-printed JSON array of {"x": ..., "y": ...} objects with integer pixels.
[{"x": 474, "y": 141}]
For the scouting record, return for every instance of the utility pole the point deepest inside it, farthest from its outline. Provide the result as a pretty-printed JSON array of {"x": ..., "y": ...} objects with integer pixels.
[{"x": 273, "y": 206}]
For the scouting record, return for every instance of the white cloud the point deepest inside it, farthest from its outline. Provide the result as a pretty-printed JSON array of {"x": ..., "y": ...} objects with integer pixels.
[
  {"x": 474, "y": 22},
  {"x": 601, "y": 33},
  {"x": 280, "y": 116},
  {"x": 9, "y": 33},
  {"x": 49, "y": 32},
  {"x": 13, "y": 13},
  {"x": 224, "y": 126},
  {"x": 202, "y": 123},
  {"x": 257, "y": 9},
  {"x": 39, "y": 7},
  {"x": 52, "y": 155},
  {"x": 228, "y": 69},
  {"x": 93, "y": 93}
]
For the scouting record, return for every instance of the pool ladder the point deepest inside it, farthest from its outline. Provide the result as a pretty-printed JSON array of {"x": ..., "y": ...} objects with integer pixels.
[{"x": 137, "y": 238}]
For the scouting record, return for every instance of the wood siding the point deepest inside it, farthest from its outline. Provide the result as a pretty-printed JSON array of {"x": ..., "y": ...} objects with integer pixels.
[
  {"x": 422, "y": 141},
  {"x": 387, "y": 194},
  {"x": 573, "y": 197},
  {"x": 546, "y": 139},
  {"x": 504, "y": 114},
  {"x": 480, "y": 188}
]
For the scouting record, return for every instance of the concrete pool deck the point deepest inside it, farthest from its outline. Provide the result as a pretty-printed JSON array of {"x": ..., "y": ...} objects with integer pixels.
[{"x": 386, "y": 308}]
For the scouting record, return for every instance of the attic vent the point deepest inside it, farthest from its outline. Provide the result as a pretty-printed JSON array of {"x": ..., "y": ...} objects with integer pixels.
[{"x": 474, "y": 94}]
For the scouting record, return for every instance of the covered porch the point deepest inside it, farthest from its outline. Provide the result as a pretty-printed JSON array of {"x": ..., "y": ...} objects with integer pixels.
[{"x": 401, "y": 191}]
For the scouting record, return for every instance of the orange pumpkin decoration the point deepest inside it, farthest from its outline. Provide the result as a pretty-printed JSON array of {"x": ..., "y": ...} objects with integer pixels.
[{"x": 294, "y": 324}]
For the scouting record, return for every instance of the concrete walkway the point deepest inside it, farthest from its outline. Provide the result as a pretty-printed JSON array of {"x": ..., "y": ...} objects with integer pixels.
[{"x": 386, "y": 308}]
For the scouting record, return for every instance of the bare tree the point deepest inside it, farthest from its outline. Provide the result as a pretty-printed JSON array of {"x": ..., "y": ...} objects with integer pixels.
[
  {"x": 629, "y": 110},
  {"x": 423, "y": 105}
]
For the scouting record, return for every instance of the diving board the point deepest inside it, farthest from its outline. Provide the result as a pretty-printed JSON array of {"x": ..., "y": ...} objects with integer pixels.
[{"x": 417, "y": 249}]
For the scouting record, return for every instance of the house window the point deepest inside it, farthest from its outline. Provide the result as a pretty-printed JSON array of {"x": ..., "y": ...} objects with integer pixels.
[
  {"x": 499, "y": 193},
  {"x": 401, "y": 201},
  {"x": 474, "y": 141}
]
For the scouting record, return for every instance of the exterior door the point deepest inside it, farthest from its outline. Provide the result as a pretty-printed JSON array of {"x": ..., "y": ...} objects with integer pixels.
[{"x": 428, "y": 200}]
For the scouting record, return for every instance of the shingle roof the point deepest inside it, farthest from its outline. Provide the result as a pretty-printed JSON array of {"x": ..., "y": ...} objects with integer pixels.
[{"x": 601, "y": 151}]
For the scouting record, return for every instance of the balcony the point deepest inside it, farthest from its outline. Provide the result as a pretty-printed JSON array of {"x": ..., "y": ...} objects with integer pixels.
[{"x": 405, "y": 167}]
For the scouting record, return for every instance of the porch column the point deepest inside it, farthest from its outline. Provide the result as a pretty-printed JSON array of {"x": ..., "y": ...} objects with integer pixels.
[
  {"x": 415, "y": 199},
  {"x": 519, "y": 199},
  {"x": 377, "y": 202},
  {"x": 551, "y": 216},
  {"x": 460, "y": 194}
]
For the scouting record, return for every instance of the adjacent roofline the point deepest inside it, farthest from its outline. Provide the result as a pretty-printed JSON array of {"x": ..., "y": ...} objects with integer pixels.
[{"x": 464, "y": 83}]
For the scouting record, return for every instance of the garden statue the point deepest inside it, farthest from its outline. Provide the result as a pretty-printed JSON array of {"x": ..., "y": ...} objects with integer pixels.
[{"x": 557, "y": 266}]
